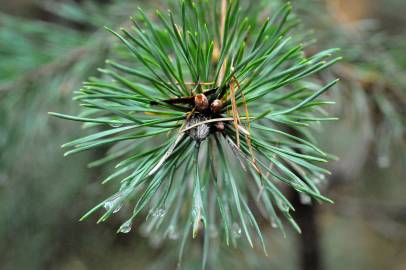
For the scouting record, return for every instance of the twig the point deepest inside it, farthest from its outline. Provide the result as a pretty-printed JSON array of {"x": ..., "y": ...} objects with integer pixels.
[
  {"x": 209, "y": 121},
  {"x": 222, "y": 29}
]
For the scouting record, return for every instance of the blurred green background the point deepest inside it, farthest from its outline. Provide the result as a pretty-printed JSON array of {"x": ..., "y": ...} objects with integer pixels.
[{"x": 47, "y": 48}]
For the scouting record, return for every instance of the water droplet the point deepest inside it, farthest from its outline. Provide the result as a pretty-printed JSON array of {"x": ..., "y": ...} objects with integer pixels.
[
  {"x": 273, "y": 224},
  {"x": 161, "y": 212},
  {"x": 305, "y": 199},
  {"x": 114, "y": 202},
  {"x": 115, "y": 124},
  {"x": 320, "y": 177},
  {"x": 108, "y": 205},
  {"x": 172, "y": 233},
  {"x": 236, "y": 230},
  {"x": 118, "y": 208},
  {"x": 126, "y": 227},
  {"x": 383, "y": 161},
  {"x": 212, "y": 230},
  {"x": 195, "y": 211}
]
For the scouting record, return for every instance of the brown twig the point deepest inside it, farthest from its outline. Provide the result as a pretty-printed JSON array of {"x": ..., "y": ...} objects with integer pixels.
[
  {"x": 221, "y": 42},
  {"x": 235, "y": 113}
]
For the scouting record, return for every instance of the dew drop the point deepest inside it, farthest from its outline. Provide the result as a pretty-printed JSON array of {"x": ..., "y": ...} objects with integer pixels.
[
  {"x": 305, "y": 199},
  {"x": 126, "y": 227},
  {"x": 321, "y": 177},
  {"x": 115, "y": 124},
  {"x": 118, "y": 208},
  {"x": 108, "y": 205},
  {"x": 236, "y": 230},
  {"x": 161, "y": 212},
  {"x": 273, "y": 224},
  {"x": 114, "y": 202},
  {"x": 195, "y": 211},
  {"x": 172, "y": 233}
]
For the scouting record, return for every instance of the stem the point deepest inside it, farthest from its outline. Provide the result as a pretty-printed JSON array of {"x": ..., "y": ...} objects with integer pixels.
[
  {"x": 309, "y": 246},
  {"x": 306, "y": 217}
]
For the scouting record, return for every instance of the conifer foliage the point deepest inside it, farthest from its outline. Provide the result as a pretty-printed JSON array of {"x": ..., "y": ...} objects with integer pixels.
[{"x": 208, "y": 111}]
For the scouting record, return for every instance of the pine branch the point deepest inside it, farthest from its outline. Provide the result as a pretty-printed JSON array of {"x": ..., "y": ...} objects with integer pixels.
[{"x": 181, "y": 144}]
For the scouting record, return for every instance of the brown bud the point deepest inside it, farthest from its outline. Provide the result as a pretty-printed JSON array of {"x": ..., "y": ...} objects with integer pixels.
[
  {"x": 201, "y": 102},
  {"x": 219, "y": 126},
  {"x": 216, "y": 106}
]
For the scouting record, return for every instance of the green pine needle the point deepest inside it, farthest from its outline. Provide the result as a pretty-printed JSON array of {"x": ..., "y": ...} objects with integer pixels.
[{"x": 181, "y": 160}]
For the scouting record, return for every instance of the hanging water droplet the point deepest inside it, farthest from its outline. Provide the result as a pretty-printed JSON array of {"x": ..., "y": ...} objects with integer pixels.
[
  {"x": 305, "y": 199},
  {"x": 273, "y": 224},
  {"x": 118, "y": 208},
  {"x": 319, "y": 177},
  {"x": 161, "y": 212},
  {"x": 114, "y": 202},
  {"x": 115, "y": 124},
  {"x": 212, "y": 230},
  {"x": 172, "y": 233},
  {"x": 195, "y": 210},
  {"x": 236, "y": 230},
  {"x": 108, "y": 205},
  {"x": 383, "y": 161},
  {"x": 126, "y": 227}
]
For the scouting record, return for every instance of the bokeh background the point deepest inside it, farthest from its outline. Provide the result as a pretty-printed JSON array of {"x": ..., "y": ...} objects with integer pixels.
[{"x": 47, "y": 48}]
